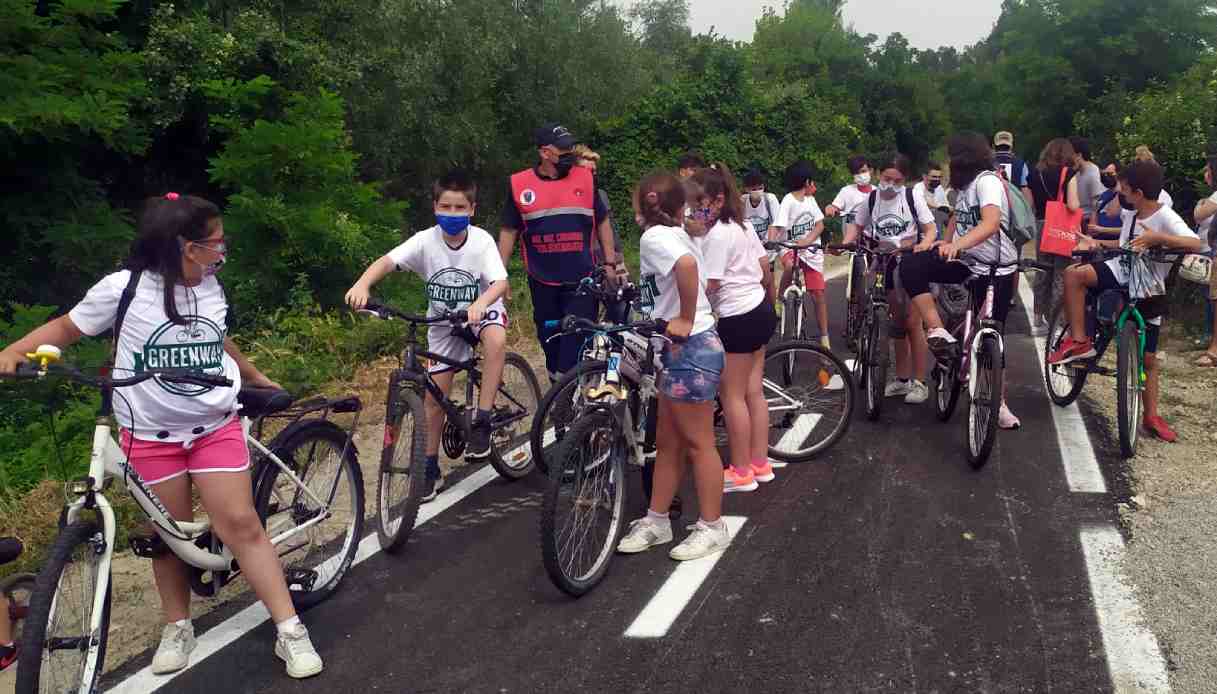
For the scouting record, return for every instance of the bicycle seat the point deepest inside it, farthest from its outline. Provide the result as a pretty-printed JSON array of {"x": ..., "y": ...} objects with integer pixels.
[
  {"x": 259, "y": 402},
  {"x": 10, "y": 549}
]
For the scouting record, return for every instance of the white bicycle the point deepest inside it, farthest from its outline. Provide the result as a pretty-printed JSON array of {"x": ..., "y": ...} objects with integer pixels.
[{"x": 308, "y": 491}]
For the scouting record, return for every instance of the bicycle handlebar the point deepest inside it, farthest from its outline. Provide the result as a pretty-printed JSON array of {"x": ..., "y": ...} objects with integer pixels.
[
  {"x": 1152, "y": 254},
  {"x": 185, "y": 376},
  {"x": 575, "y": 324},
  {"x": 386, "y": 312},
  {"x": 791, "y": 245}
]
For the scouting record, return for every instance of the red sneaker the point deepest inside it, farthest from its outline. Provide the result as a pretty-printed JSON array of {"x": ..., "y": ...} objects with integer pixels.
[
  {"x": 8, "y": 656},
  {"x": 1071, "y": 350},
  {"x": 1159, "y": 428}
]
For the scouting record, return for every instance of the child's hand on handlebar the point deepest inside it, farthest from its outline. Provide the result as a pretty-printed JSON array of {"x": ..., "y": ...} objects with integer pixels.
[
  {"x": 679, "y": 329},
  {"x": 9, "y": 361},
  {"x": 357, "y": 297},
  {"x": 476, "y": 313}
]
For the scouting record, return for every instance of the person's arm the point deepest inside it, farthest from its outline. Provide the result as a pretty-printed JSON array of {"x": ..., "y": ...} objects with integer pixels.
[
  {"x": 687, "y": 285},
  {"x": 771, "y": 290},
  {"x": 990, "y": 223},
  {"x": 357, "y": 296},
  {"x": 61, "y": 332},
  {"x": 604, "y": 231},
  {"x": 813, "y": 236},
  {"x": 497, "y": 290},
  {"x": 1072, "y": 200},
  {"x": 507, "y": 243},
  {"x": 1204, "y": 209},
  {"x": 250, "y": 375},
  {"x": 1157, "y": 239},
  {"x": 929, "y": 236},
  {"x": 1028, "y": 196},
  {"x": 776, "y": 232}
]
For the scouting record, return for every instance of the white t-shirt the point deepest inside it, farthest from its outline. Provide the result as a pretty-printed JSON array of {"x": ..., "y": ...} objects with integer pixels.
[
  {"x": 659, "y": 249},
  {"x": 1165, "y": 221},
  {"x": 455, "y": 277},
  {"x": 1165, "y": 199},
  {"x": 939, "y": 195},
  {"x": 150, "y": 340},
  {"x": 732, "y": 254},
  {"x": 894, "y": 225},
  {"x": 849, "y": 199},
  {"x": 985, "y": 190},
  {"x": 763, "y": 215},
  {"x": 798, "y": 218},
  {"x": 1203, "y": 224}
]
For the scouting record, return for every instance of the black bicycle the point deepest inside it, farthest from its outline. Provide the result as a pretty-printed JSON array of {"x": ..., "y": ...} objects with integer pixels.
[{"x": 399, "y": 491}]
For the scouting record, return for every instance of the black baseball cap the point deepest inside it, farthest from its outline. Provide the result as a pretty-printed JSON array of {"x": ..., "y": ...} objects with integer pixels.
[{"x": 555, "y": 134}]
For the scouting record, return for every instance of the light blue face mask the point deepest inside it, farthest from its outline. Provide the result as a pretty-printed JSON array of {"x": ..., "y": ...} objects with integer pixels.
[{"x": 452, "y": 224}]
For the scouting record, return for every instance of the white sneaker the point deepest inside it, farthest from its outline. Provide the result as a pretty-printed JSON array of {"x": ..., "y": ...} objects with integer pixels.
[
  {"x": 897, "y": 388},
  {"x": 1006, "y": 418},
  {"x": 702, "y": 542},
  {"x": 824, "y": 342},
  {"x": 644, "y": 534},
  {"x": 918, "y": 393},
  {"x": 296, "y": 649},
  {"x": 174, "y": 652}
]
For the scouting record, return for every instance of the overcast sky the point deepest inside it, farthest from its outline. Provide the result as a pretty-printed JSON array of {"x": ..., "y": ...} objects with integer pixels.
[{"x": 925, "y": 23}]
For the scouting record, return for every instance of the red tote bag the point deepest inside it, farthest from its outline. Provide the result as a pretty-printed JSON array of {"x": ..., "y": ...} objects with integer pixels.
[{"x": 1061, "y": 225}]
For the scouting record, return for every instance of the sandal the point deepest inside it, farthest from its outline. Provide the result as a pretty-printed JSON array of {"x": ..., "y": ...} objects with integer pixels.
[{"x": 1207, "y": 360}]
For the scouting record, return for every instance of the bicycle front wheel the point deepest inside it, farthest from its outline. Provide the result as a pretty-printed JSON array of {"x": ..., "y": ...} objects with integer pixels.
[
  {"x": 60, "y": 652},
  {"x": 511, "y": 422},
  {"x": 946, "y": 389},
  {"x": 1064, "y": 381},
  {"x": 1128, "y": 384},
  {"x": 560, "y": 407},
  {"x": 315, "y": 527},
  {"x": 876, "y": 358},
  {"x": 985, "y": 402},
  {"x": 792, "y": 325},
  {"x": 583, "y": 509},
  {"x": 807, "y": 417},
  {"x": 399, "y": 486}
]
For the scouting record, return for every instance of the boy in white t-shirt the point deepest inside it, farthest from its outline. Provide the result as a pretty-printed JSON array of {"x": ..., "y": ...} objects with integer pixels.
[
  {"x": 801, "y": 221},
  {"x": 851, "y": 198},
  {"x": 1147, "y": 223},
  {"x": 760, "y": 207},
  {"x": 464, "y": 272}
]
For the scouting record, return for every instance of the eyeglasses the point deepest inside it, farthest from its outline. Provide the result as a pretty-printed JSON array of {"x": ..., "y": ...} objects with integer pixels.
[{"x": 217, "y": 246}]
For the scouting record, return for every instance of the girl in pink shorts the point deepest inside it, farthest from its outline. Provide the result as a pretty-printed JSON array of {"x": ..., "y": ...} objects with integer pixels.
[{"x": 177, "y": 436}]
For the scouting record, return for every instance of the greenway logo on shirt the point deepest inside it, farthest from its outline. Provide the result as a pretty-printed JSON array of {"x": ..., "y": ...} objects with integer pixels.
[
  {"x": 453, "y": 288},
  {"x": 760, "y": 225},
  {"x": 966, "y": 219},
  {"x": 648, "y": 290},
  {"x": 801, "y": 227},
  {"x": 890, "y": 226},
  {"x": 198, "y": 345}
]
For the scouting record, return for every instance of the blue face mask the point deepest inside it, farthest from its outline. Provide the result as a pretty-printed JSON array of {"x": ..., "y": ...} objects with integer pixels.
[{"x": 452, "y": 224}]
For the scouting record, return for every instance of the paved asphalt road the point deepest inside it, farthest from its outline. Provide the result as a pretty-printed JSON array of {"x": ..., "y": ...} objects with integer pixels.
[{"x": 888, "y": 565}]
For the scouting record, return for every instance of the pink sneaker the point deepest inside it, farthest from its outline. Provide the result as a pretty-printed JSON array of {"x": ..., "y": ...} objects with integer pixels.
[
  {"x": 763, "y": 472},
  {"x": 733, "y": 481}
]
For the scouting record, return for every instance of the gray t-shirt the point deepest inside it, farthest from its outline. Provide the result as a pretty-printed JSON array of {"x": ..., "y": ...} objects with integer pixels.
[{"x": 1090, "y": 187}]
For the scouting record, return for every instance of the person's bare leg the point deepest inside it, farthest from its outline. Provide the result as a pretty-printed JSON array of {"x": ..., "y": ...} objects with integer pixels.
[
  {"x": 6, "y": 627},
  {"x": 1077, "y": 279},
  {"x": 228, "y": 498},
  {"x": 928, "y": 308},
  {"x": 787, "y": 276},
  {"x": 435, "y": 413},
  {"x": 904, "y": 362},
  {"x": 733, "y": 393},
  {"x": 1149, "y": 400},
  {"x": 821, "y": 310},
  {"x": 758, "y": 407},
  {"x": 494, "y": 355},
  {"x": 172, "y": 579},
  {"x": 695, "y": 423},
  {"x": 919, "y": 348},
  {"x": 668, "y": 460}
]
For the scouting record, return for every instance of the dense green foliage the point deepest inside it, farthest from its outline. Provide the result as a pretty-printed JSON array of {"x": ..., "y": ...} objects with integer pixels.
[{"x": 319, "y": 124}]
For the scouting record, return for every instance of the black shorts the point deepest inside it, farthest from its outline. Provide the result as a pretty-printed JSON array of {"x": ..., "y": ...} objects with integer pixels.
[
  {"x": 748, "y": 332},
  {"x": 1107, "y": 280}
]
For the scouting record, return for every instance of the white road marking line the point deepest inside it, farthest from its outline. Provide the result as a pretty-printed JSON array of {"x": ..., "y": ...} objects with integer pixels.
[
  {"x": 253, "y": 616},
  {"x": 1081, "y": 468},
  {"x": 792, "y": 436},
  {"x": 667, "y": 604},
  {"x": 1134, "y": 659}
]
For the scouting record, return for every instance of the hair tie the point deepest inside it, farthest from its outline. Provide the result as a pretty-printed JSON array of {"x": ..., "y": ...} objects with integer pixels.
[{"x": 172, "y": 196}]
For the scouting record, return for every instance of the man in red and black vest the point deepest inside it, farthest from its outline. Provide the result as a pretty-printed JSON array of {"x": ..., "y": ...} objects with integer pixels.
[{"x": 553, "y": 212}]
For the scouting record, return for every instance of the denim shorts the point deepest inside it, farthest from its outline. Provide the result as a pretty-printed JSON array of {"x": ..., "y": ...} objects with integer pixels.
[{"x": 691, "y": 369}]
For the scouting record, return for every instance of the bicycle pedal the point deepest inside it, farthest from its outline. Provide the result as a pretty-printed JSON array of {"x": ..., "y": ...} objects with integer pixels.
[
  {"x": 148, "y": 547},
  {"x": 300, "y": 579}
]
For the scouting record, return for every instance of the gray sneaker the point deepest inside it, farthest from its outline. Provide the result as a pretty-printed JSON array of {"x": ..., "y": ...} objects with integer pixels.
[
  {"x": 174, "y": 652},
  {"x": 702, "y": 542},
  {"x": 918, "y": 393},
  {"x": 644, "y": 534}
]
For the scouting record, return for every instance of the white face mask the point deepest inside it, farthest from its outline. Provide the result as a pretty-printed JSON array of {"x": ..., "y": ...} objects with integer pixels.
[
  {"x": 755, "y": 196},
  {"x": 889, "y": 189},
  {"x": 862, "y": 179}
]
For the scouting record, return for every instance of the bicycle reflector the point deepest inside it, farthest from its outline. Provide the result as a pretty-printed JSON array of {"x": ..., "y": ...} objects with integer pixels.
[{"x": 824, "y": 378}]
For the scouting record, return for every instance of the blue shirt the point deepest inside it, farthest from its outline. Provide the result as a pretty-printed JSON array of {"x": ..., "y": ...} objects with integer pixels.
[{"x": 1102, "y": 219}]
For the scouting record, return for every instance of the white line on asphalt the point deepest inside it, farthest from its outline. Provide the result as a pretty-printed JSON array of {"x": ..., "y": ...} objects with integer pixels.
[
  {"x": 253, "y": 616},
  {"x": 667, "y": 604},
  {"x": 1081, "y": 468},
  {"x": 1134, "y": 659}
]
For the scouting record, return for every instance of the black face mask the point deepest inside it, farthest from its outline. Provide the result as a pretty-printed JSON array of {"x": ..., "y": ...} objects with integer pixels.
[
  {"x": 1108, "y": 180},
  {"x": 565, "y": 163},
  {"x": 933, "y": 185},
  {"x": 1125, "y": 203}
]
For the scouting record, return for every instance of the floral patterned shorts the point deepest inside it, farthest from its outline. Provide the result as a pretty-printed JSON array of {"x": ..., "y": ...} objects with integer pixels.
[{"x": 691, "y": 369}]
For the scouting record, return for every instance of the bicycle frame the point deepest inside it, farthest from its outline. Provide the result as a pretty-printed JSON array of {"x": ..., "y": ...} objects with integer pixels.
[
  {"x": 1131, "y": 311},
  {"x": 412, "y": 371},
  {"x": 967, "y": 369}
]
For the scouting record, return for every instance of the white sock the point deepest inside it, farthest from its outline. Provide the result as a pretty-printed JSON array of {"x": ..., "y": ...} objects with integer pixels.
[
  {"x": 657, "y": 516},
  {"x": 719, "y": 524},
  {"x": 288, "y": 624},
  {"x": 182, "y": 623}
]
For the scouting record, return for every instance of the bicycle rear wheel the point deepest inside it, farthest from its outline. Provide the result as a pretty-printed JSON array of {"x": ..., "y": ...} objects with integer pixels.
[
  {"x": 512, "y": 417},
  {"x": 807, "y": 417},
  {"x": 946, "y": 389},
  {"x": 984, "y": 403},
  {"x": 400, "y": 477},
  {"x": 59, "y": 652},
  {"x": 325, "y": 523},
  {"x": 1064, "y": 381},
  {"x": 876, "y": 359},
  {"x": 583, "y": 509},
  {"x": 560, "y": 407},
  {"x": 792, "y": 328},
  {"x": 1128, "y": 385}
]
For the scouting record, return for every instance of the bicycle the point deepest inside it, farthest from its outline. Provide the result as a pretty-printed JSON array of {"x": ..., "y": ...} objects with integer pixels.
[
  {"x": 399, "y": 489},
  {"x": 67, "y": 625},
  {"x": 978, "y": 360},
  {"x": 867, "y": 325},
  {"x": 1110, "y": 315},
  {"x": 614, "y": 392},
  {"x": 794, "y": 299},
  {"x": 16, "y": 589}
]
